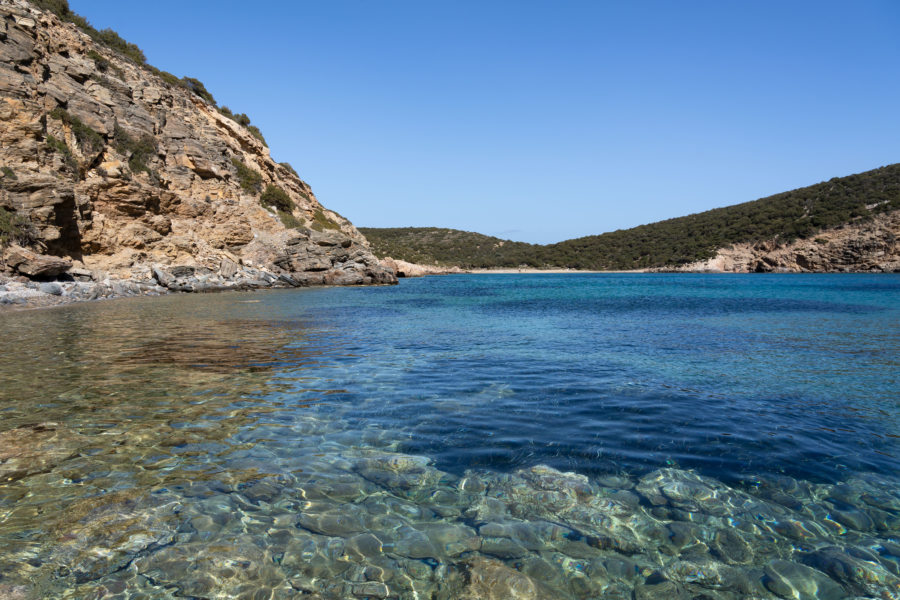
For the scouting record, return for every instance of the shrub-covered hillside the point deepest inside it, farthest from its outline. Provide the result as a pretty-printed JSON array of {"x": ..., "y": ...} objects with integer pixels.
[
  {"x": 796, "y": 214},
  {"x": 437, "y": 246}
]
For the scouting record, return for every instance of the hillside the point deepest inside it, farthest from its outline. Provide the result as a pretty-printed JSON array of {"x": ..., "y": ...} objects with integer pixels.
[
  {"x": 451, "y": 247},
  {"x": 113, "y": 170},
  {"x": 777, "y": 220}
]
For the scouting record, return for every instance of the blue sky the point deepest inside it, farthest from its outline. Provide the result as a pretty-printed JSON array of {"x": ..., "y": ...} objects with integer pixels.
[{"x": 541, "y": 121}]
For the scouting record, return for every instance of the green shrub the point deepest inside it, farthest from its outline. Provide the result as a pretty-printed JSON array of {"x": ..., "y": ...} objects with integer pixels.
[
  {"x": 61, "y": 147},
  {"x": 58, "y": 7},
  {"x": 321, "y": 222},
  {"x": 107, "y": 37},
  {"x": 288, "y": 166},
  {"x": 114, "y": 41},
  {"x": 7, "y": 174},
  {"x": 290, "y": 221},
  {"x": 249, "y": 179},
  {"x": 197, "y": 87},
  {"x": 276, "y": 197},
  {"x": 255, "y": 132},
  {"x": 100, "y": 61},
  {"x": 15, "y": 228},
  {"x": 139, "y": 151},
  {"x": 89, "y": 140},
  {"x": 244, "y": 120},
  {"x": 166, "y": 76}
]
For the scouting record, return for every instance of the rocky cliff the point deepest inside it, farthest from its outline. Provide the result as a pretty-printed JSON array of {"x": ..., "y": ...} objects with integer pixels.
[
  {"x": 868, "y": 246},
  {"x": 110, "y": 172}
]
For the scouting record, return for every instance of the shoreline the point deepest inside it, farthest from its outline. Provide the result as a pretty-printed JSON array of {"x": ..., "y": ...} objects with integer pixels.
[
  {"x": 544, "y": 271},
  {"x": 17, "y": 295}
]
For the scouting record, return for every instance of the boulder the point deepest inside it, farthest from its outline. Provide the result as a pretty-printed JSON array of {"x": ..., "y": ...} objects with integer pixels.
[{"x": 32, "y": 264}]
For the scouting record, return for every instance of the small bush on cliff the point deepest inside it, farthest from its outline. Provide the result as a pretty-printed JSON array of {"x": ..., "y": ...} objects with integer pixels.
[
  {"x": 89, "y": 140},
  {"x": 61, "y": 147},
  {"x": 244, "y": 120},
  {"x": 15, "y": 229},
  {"x": 114, "y": 41},
  {"x": 165, "y": 76},
  {"x": 276, "y": 197},
  {"x": 100, "y": 61},
  {"x": 321, "y": 222},
  {"x": 255, "y": 132},
  {"x": 139, "y": 151},
  {"x": 7, "y": 174},
  {"x": 197, "y": 87},
  {"x": 104, "y": 65},
  {"x": 249, "y": 179},
  {"x": 290, "y": 221},
  {"x": 288, "y": 166}
]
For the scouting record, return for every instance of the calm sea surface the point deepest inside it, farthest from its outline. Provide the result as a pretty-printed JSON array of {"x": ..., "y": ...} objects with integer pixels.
[{"x": 495, "y": 436}]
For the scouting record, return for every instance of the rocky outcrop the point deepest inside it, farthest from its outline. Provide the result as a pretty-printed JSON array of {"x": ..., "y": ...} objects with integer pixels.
[
  {"x": 401, "y": 268},
  {"x": 120, "y": 174},
  {"x": 870, "y": 246}
]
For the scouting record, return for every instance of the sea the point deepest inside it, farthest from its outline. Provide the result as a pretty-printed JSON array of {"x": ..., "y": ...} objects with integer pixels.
[{"x": 468, "y": 436}]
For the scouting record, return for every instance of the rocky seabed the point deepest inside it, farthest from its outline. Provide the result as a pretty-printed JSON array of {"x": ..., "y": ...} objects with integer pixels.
[{"x": 350, "y": 517}]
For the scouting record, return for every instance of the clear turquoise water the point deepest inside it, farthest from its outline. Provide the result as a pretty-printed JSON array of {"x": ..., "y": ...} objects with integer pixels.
[{"x": 197, "y": 446}]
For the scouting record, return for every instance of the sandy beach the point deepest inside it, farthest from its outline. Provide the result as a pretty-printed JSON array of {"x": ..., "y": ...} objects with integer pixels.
[{"x": 538, "y": 271}]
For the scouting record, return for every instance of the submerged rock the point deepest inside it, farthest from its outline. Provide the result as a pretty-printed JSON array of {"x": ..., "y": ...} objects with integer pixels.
[
  {"x": 789, "y": 579},
  {"x": 34, "y": 449},
  {"x": 492, "y": 580}
]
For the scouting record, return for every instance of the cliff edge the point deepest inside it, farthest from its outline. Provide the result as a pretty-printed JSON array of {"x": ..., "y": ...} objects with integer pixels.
[{"x": 110, "y": 171}]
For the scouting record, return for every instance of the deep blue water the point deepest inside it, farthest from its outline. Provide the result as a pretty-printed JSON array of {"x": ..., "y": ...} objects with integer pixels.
[{"x": 728, "y": 374}]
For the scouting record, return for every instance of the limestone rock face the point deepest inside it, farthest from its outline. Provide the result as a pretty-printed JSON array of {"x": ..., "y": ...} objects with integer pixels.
[
  {"x": 120, "y": 172},
  {"x": 870, "y": 246},
  {"x": 401, "y": 268}
]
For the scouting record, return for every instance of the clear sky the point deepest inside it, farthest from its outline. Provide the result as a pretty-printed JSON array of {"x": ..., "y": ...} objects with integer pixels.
[{"x": 541, "y": 120}]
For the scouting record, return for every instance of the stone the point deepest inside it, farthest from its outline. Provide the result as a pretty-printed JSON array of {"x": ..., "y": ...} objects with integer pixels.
[
  {"x": 860, "y": 575},
  {"x": 32, "y": 264},
  {"x": 360, "y": 547},
  {"x": 228, "y": 268},
  {"x": 492, "y": 580},
  {"x": 504, "y": 548},
  {"x": 730, "y": 547},
  {"x": 370, "y": 589},
  {"x": 793, "y": 580},
  {"x": 661, "y": 591},
  {"x": 34, "y": 449},
  {"x": 52, "y": 288}
]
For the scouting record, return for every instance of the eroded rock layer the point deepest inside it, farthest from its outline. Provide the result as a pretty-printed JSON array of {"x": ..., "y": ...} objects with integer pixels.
[
  {"x": 110, "y": 172},
  {"x": 869, "y": 246}
]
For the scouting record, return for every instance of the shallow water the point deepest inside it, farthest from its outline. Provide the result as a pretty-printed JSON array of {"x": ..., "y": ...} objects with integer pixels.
[{"x": 479, "y": 436}]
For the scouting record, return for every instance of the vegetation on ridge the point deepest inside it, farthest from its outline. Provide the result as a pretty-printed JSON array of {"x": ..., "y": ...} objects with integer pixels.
[
  {"x": 799, "y": 213},
  {"x": 441, "y": 246},
  {"x": 107, "y": 37}
]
